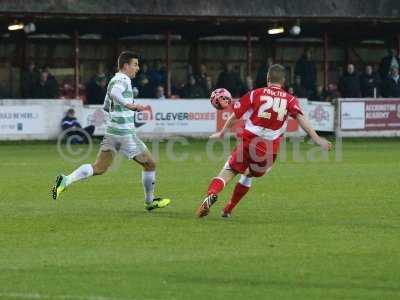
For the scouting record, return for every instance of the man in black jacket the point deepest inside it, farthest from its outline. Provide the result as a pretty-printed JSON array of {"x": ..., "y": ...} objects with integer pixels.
[
  {"x": 349, "y": 83},
  {"x": 370, "y": 82},
  {"x": 307, "y": 70}
]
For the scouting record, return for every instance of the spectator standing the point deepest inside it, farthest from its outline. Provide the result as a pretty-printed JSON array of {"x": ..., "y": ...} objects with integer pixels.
[
  {"x": 30, "y": 79},
  {"x": 298, "y": 88},
  {"x": 388, "y": 62},
  {"x": 391, "y": 86},
  {"x": 96, "y": 88},
  {"x": 142, "y": 81},
  {"x": 45, "y": 88},
  {"x": 307, "y": 70},
  {"x": 230, "y": 80},
  {"x": 52, "y": 83},
  {"x": 369, "y": 82},
  {"x": 349, "y": 83}
]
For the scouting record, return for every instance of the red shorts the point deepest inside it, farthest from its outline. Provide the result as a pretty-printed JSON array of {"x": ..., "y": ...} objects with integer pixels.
[{"x": 255, "y": 154}]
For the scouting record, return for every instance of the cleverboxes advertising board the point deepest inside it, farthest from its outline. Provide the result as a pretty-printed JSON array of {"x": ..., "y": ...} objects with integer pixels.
[
  {"x": 161, "y": 117},
  {"x": 176, "y": 117}
]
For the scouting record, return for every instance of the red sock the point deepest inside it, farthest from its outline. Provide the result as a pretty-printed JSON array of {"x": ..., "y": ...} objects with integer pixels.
[
  {"x": 238, "y": 194},
  {"x": 216, "y": 186}
]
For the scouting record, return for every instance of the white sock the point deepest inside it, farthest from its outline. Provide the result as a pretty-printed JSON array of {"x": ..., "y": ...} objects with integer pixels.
[
  {"x": 148, "y": 181},
  {"x": 246, "y": 181},
  {"x": 82, "y": 172}
]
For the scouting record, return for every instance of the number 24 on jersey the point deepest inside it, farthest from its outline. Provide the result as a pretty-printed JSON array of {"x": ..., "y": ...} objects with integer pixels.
[{"x": 278, "y": 105}]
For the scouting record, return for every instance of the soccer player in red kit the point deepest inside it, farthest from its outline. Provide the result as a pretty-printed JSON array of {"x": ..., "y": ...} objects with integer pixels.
[{"x": 265, "y": 111}]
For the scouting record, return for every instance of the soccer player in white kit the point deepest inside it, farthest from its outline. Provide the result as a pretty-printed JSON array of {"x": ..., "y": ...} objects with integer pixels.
[{"x": 120, "y": 136}]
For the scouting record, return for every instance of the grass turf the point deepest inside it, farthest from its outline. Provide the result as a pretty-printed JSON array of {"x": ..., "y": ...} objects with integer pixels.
[{"x": 311, "y": 230}]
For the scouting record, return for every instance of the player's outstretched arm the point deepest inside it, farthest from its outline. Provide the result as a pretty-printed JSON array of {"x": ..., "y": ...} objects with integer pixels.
[
  {"x": 135, "y": 107},
  {"x": 116, "y": 94},
  {"x": 303, "y": 122},
  {"x": 228, "y": 124}
]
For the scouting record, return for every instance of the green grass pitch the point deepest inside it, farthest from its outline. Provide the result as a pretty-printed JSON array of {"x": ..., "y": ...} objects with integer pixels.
[{"x": 308, "y": 230}]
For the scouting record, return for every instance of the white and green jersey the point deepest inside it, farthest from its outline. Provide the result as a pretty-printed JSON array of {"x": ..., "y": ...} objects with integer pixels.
[{"x": 121, "y": 120}]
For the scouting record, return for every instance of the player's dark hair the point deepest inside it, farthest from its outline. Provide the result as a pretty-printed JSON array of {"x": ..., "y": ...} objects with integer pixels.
[
  {"x": 125, "y": 58},
  {"x": 276, "y": 74}
]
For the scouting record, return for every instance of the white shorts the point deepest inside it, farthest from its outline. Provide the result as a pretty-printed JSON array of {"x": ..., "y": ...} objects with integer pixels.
[{"x": 129, "y": 145}]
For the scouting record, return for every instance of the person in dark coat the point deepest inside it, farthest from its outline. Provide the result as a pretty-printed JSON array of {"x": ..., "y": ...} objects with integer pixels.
[
  {"x": 230, "y": 79},
  {"x": 45, "y": 88},
  {"x": 307, "y": 70},
  {"x": 96, "y": 90},
  {"x": 369, "y": 82},
  {"x": 349, "y": 83},
  {"x": 298, "y": 89},
  {"x": 30, "y": 79}
]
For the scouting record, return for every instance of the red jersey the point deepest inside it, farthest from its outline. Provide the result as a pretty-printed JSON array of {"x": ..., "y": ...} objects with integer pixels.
[{"x": 265, "y": 112}]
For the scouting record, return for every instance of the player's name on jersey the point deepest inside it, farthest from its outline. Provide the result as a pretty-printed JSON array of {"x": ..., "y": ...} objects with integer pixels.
[{"x": 275, "y": 93}]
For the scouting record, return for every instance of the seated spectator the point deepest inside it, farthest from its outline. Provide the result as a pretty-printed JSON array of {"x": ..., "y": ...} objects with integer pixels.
[
  {"x": 299, "y": 90},
  {"x": 193, "y": 90},
  {"x": 177, "y": 89},
  {"x": 261, "y": 79},
  {"x": 319, "y": 94},
  {"x": 306, "y": 68},
  {"x": 349, "y": 83},
  {"x": 248, "y": 86},
  {"x": 331, "y": 94},
  {"x": 389, "y": 61},
  {"x": 30, "y": 79},
  {"x": 45, "y": 88},
  {"x": 160, "y": 92},
  {"x": 69, "y": 122},
  {"x": 230, "y": 80},
  {"x": 391, "y": 86},
  {"x": 369, "y": 82},
  {"x": 96, "y": 90}
]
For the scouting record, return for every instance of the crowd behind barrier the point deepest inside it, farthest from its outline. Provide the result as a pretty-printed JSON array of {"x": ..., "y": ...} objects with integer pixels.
[{"x": 368, "y": 81}]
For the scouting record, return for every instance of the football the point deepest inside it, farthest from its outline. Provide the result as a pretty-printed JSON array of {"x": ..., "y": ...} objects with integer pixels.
[{"x": 220, "y": 98}]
